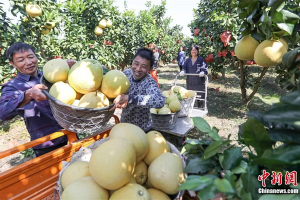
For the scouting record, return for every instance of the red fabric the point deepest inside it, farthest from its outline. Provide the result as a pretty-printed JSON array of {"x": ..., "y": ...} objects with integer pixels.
[{"x": 154, "y": 76}]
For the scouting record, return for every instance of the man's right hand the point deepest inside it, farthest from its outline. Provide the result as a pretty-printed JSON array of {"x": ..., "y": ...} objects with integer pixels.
[
  {"x": 36, "y": 92},
  {"x": 120, "y": 101}
]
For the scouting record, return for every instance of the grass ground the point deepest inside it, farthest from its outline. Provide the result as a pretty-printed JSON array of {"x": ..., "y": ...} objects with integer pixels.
[{"x": 225, "y": 109}]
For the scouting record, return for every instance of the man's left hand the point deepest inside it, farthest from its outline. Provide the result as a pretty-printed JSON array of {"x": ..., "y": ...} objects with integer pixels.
[{"x": 201, "y": 74}]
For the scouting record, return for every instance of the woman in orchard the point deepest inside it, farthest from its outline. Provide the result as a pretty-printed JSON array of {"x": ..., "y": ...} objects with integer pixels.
[
  {"x": 23, "y": 96},
  {"x": 196, "y": 65},
  {"x": 143, "y": 92},
  {"x": 180, "y": 58}
]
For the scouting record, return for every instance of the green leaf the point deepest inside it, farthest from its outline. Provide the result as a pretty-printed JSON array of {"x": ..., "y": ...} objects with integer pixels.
[
  {"x": 241, "y": 168},
  {"x": 256, "y": 135},
  {"x": 289, "y": 58},
  {"x": 244, "y": 3},
  {"x": 207, "y": 193},
  {"x": 279, "y": 197},
  {"x": 223, "y": 185},
  {"x": 275, "y": 5},
  {"x": 197, "y": 165},
  {"x": 214, "y": 134},
  {"x": 288, "y": 114},
  {"x": 196, "y": 183},
  {"x": 286, "y": 27},
  {"x": 201, "y": 124},
  {"x": 285, "y": 135},
  {"x": 250, "y": 183},
  {"x": 212, "y": 149},
  {"x": 232, "y": 158}
]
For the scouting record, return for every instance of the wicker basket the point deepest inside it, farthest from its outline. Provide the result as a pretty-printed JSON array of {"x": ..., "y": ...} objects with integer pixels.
[
  {"x": 85, "y": 153},
  {"x": 187, "y": 105},
  {"x": 164, "y": 121},
  {"x": 76, "y": 119}
]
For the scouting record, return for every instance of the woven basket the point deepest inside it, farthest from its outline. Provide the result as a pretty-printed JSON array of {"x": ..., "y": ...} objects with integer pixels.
[
  {"x": 85, "y": 153},
  {"x": 187, "y": 105},
  {"x": 77, "y": 119},
  {"x": 164, "y": 121}
]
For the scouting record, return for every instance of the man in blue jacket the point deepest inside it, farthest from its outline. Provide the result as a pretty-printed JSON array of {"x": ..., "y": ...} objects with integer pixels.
[{"x": 181, "y": 58}]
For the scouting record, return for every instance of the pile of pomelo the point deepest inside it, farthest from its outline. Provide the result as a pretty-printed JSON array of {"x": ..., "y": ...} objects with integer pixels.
[
  {"x": 267, "y": 53},
  {"x": 173, "y": 100},
  {"x": 130, "y": 165},
  {"x": 84, "y": 85}
]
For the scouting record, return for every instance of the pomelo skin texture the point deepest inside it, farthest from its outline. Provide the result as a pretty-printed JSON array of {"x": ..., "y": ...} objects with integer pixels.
[
  {"x": 131, "y": 191},
  {"x": 94, "y": 100},
  {"x": 269, "y": 53},
  {"x": 86, "y": 76},
  {"x": 56, "y": 70},
  {"x": 157, "y": 194},
  {"x": 73, "y": 172},
  {"x": 63, "y": 92},
  {"x": 114, "y": 83},
  {"x": 112, "y": 163},
  {"x": 245, "y": 48}
]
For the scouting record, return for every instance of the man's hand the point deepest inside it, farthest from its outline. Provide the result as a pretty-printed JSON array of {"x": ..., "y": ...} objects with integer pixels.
[
  {"x": 181, "y": 73},
  {"x": 201, "y": 74},
  {"x": 71, "y": 62},
  {"x": 36, "y": 92},
  {"x": 120, "y": 101}
]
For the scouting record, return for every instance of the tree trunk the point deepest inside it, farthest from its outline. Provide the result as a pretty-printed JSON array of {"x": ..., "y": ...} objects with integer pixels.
[
  {"x": 255, "y": 89},
  {"x": 243, "y": 89},
  {"x": 223, "y": 73}
]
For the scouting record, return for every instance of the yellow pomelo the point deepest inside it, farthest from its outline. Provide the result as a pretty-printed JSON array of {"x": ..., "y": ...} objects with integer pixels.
[
  {"x": 33, "y": 10},
  {"x": 102, "y": 23},
  {"x": 166, "y": 106},
  {"x": 50, "y": 25},
  {"x": 132, "y": 179},
  {"x": 166, "y": 173},
  {"x": 153, "y": 110},
  {"x": 284, "y": 42},
  {"x": 73, "y": 172},
  {"x": 190, "y": 93},
  {"x": 157, "y": 194},
  {"x": 164, "y": 110},
  {"x": 63, "y": 92},
  {"x": 245, "y": 48},
  {"x": 114, "y": 83},
  {"x": 76, "y": 102},
  {"x": 84, "y": 188},
  {"x": 134, "y": 134},
  {"x": 269, "y": 53},
  {"x": 112, "y": 163},
  {"x": 94, "y": 100},
  {"x": 157, "y": 146},
  {"x": 176, "y": 88},
  {"x": 182, "y": 91},
  {"x": 108, "y": 23},
  {"x": 86, "y": 76},
  {"x": 141, "y": 173},
  {"x": 172, "y": 97},
  {"x": 44, "y": 30},
  {"x": 166, "y": 93},
  {"x": 175, "y": 106},
  {"x": 98, "y": 31},
  {"x": 56, "y": 70},
  {"x": 131, "y": 191}
]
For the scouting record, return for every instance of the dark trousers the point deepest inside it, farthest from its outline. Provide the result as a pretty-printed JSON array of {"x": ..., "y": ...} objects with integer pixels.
[
  {"x": 39, "y": 152},
  {"x": 180, "y": 67}
]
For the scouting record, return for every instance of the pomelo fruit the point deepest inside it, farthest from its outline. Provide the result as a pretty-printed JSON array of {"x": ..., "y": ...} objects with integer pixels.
[
  {"x": 157, "y": 194},
  {"x": 141, "y": 173},
  {"x": 190, "y": 93},
  {"x": 164, "y": 110},
  {"x": 56, "y": 70},
  {"x": 84, "y": 188},
  {"x": 33, "y": 10},
  {"x": 153, "y": 110},
  {"x": 73, "y": 172},
  {"x": 157, "y": 146},
  {"x": 63, "y": 92},
  {"x": 94, "y": 100},
  {"x": 175, "y": 106},
  {"x": 133, "y": 133},
  {"x": 114, "y": 83},
  {"x": 172, "y": 97},
  {"x": 98, "y": 31},
  {"x": 269, "y": 53},
  {"x": 166, "y": 173},
  {"x": 166, "y": 93},
  {"x": 102, "y": 23},
  {"x": 131, "y": 191},
  {"x": 108, "y": 23},
  {"x": 245, "y": 48},
  {"x": 86, "y": 76},
  {"x": 112, "y": 163}
]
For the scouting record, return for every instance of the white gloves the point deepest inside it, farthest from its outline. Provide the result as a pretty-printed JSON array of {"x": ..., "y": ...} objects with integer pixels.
[
  {"x": 201, "y": 74},
  {"x": 181, "y": 73}
]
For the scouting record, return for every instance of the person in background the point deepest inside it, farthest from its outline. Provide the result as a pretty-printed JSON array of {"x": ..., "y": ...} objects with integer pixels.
[
  {"x": 180, "y": 58},
  {"x": 23, "y": 96},
  {"x": 196, "y": 65},
  {"x": 155, "y": 65},
  {"x": 143, "y": 92}
]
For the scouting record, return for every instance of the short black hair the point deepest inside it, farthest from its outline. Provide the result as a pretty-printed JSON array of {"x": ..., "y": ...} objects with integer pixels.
[
  {"x": 146, "y": 54},
  {"x": 17, "y": 47},
  {"x": 197, "y": 48}
]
